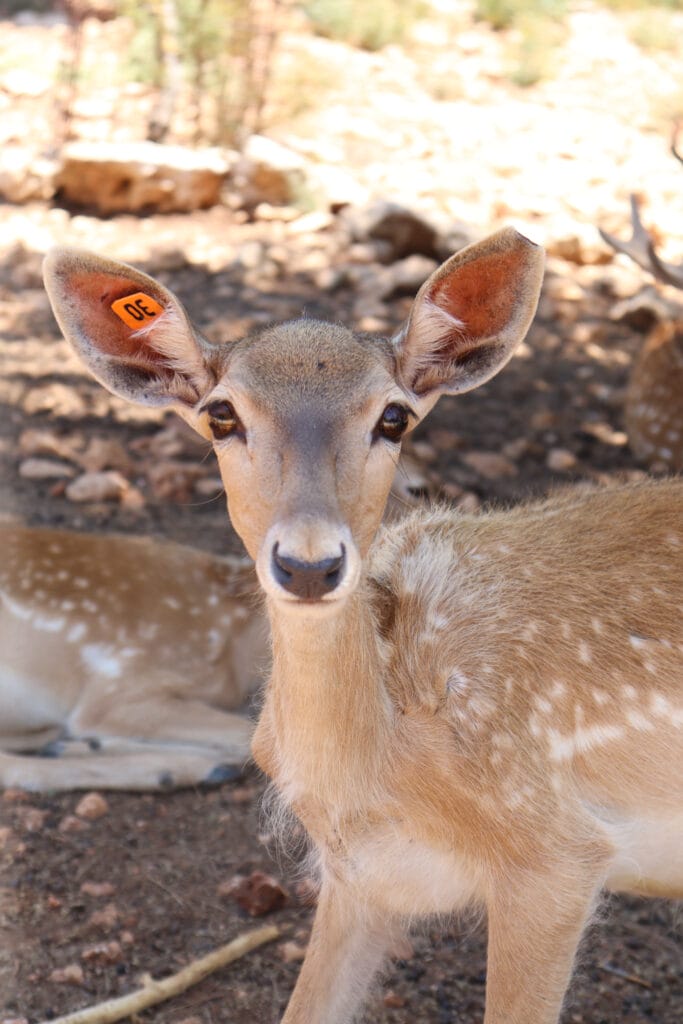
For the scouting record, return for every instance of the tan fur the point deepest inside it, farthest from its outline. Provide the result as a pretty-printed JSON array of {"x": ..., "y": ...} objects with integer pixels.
[
  {"x": 479, "y": 711},
  {"x": 126, "y": 656}
]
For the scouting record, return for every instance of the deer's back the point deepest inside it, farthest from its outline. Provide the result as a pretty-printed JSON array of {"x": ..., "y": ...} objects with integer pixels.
[{"x": 542, "y": 639}]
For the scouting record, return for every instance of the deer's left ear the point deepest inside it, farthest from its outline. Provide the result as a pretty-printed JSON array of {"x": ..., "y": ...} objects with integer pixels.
[{"x": 470, "y": 315}]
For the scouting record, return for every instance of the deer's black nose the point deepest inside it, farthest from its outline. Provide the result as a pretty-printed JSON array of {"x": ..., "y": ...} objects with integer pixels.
[{"x": 308, "y": 580}]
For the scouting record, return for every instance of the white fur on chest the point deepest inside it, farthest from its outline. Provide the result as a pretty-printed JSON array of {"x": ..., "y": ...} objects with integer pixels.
[{"x": 407, "y": 877}]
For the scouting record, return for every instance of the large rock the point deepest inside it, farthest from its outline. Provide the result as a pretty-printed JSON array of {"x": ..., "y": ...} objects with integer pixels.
[
  {"x": 25, "y": 176},
  {"x": 406, "y": 232},
  {"x": 141, "y": 176},
  {"x": 268, "y": 172}
]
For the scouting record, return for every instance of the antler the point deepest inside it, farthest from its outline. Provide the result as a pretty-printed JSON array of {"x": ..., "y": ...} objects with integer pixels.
[{"x": 640, "y": 248}]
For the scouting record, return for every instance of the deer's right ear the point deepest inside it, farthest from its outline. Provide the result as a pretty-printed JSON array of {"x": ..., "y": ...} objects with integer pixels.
[{"x": 131, "y": 332}]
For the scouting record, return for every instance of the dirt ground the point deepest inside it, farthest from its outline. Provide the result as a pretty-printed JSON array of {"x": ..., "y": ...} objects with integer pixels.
[{"x": 137, "y": 890}]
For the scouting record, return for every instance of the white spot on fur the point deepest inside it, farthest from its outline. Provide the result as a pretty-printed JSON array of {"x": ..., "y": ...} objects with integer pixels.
[
  {"x": 100, "y": 658},
  {"x": 585, "y": 653},
  {"x": 77, "y": 632},
  {"x": 564, "y": 748}
]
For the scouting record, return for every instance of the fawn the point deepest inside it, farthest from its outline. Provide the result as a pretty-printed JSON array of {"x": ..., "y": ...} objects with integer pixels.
[
  {"x": 122, "y": 658},
  {"x": 462, "y": 709}
]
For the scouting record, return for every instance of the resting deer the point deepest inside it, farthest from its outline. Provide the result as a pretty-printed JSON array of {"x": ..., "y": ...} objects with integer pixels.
[
  {"x": 120, "y": 657},
  {"x": 653, "y": 408},
  {"x": 462, "y": 709}
]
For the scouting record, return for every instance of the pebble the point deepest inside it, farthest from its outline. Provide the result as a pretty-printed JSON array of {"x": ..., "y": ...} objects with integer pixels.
[
  {"x": 72, "y": 974},
  {"x": 393, "y": 1001},
  {"x": 490, "y": 465},
  {"x": 92, "y": 806},
  {"x": 107, "y": 917},
  {"x": 561, "y": 460},
  {"x": 103, "y": 953},
  {"x": 291, "y": 952},
  {"x": 257, "y": 893},
  {"x": 70, "y": 823},
  {"x": 97, "y": 889},
  {"x": 45, "y": 469},
  {"x": 108, "y": 485}
]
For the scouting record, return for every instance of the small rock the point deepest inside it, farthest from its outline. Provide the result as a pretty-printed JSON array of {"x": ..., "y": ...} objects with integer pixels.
[
  {"x": 291, "y": 952},
  {"x": 105, "y": 486},
  {"x": 258, "y": 893},
  {"x": 31, "y": 819},
  {"x": 393, "y": 1000},
  {"x": 72, "y": 974},
  {"x": 92, "y": 806},
  {"x": 70, "y": 823},
  {"x": 45, "y": 469},
  {"x": 173, "y": 481},
  {"x": 105, "y": 453},
  {"x": 97, "y": 889},
  {"x": 34, "y": 442},
  {"x": 103, "y": 953},
  {"x": 13, "y": 795},
  {"x": 126, "y": 938},
  {"x": 107, "y": 917},
  {"x": 490, "y": 465},
  {"x": 516, "y": 449},
  {"x": 560, "y": 460},
  {"x": 54, "y": 902},
  {"x": 6, "y": 835},
  {"x": 56, "y": 399}
]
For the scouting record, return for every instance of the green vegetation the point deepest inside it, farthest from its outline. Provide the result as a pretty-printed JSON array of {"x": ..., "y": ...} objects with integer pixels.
[
  {"x": 369, "y": 24},
  {"x": 510, "y": 13}
]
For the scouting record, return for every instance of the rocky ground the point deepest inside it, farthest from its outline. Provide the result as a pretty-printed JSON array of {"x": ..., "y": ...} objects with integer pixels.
[{"x": 93, "y": 895}]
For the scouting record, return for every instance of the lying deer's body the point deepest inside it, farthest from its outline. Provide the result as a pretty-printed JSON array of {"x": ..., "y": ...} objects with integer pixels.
[
  {"x": 123, "y": 658},
  {"x": 462, "y": 710}
]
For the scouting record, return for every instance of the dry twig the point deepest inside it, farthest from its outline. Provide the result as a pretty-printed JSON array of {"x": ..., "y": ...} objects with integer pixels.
[
  {"x": 619, "y": 973},
  {"x": 154, "y": 992}
]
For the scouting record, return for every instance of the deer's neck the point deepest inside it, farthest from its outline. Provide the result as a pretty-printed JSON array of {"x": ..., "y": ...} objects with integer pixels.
[{"x": 327, "y": 705}]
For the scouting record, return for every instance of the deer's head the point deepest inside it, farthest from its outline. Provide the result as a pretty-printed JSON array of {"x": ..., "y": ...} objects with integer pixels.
[{"x": 306, "y": 418}]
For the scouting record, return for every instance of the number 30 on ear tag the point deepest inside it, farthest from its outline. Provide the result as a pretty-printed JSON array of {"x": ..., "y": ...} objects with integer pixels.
[{"x": 136, "y": 310}]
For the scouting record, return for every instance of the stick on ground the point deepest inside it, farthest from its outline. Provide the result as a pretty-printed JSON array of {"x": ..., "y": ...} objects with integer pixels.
[{"x": 154, "y": 992}]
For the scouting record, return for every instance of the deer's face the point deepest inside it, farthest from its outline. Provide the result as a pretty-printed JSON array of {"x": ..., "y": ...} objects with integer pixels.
[{"x": 307, "y": 421}]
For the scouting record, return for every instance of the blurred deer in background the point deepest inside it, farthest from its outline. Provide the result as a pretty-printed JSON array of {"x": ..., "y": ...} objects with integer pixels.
[
  {"x": 463, "y": 710},
  {"x": 100, "y": 673},
  {"x": 123, "y": 658},
  {"x": 653, "y": 408}
]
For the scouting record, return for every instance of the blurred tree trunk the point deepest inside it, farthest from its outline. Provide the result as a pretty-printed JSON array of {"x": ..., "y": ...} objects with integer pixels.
[{"x": 171, "y": 71}]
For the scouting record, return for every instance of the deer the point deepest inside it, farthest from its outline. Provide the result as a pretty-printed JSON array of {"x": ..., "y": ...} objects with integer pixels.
[
  {"x": 464, "y": 710},
  {"x": 653, "y": 405},
  {"x": 124, "y": 661}
]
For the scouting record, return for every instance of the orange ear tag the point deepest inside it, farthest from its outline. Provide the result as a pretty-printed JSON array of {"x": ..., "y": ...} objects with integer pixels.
[{"x": 136, "y": 310}]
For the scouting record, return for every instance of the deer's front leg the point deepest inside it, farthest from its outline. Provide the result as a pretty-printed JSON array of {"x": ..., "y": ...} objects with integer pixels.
[
  {"x": 348, "y": 943},
  {"x": 534, "y": 928}
]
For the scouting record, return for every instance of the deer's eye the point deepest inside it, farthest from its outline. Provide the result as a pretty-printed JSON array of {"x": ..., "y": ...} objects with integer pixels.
[
  {"x": 392, "y": 423},
  {"x": 223, "y": 420}
]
